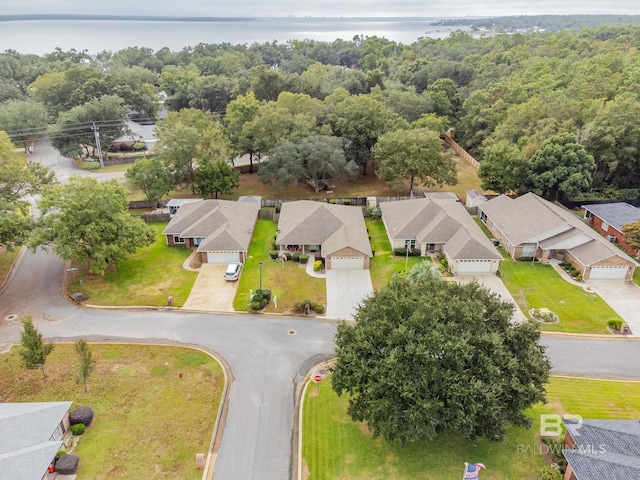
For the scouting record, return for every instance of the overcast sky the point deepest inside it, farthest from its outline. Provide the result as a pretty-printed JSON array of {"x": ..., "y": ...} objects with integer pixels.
[{"x": 318, "y": 8}]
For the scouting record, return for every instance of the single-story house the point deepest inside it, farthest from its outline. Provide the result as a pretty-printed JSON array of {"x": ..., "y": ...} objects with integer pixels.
[
  {"x": 220, "y": 230},
  {"x": 30, "y": 436},
  {"x": 597, "y": 449},
  {"x": 608, "y": 219},
  {"x": 439, "y": 223},
  {"x": 336, "y": 233},
  {"x": 529, "y": 226},
  {"x": 175, "y": 203}
]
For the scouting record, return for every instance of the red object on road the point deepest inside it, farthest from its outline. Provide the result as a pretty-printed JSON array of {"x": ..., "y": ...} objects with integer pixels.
[{"x": 317, "y": 378}]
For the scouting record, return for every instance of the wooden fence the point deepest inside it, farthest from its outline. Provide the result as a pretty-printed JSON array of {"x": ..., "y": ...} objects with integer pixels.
[
  {"x": 461, "y": 151},
  {"x": 155, "y": 217}
]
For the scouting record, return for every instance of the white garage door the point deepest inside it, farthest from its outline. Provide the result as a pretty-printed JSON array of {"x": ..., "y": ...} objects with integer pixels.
[
  {"x": 472, "y": 266},
  {"x": 223, "y": 257},
  {"x": 347, "y": 263},
  {"x": 601, "y": 273}
]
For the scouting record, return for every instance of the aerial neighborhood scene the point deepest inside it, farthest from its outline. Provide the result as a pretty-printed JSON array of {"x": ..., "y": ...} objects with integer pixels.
[{"x": 321, "y": 241}]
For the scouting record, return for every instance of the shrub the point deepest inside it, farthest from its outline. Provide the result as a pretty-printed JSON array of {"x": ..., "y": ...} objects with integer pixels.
[
  {"x": 333, "y": 201},
  {"x": 401, "y": 252},
  {"x": 498, "y": 273},
  {"x": 83, "y": 414},
  {"x": 139, "y": 146},
  {"x": 579, "y": 278},
  {"x": 296, "y": 257},
  {"x": 615, "y": 324},
  {"x": 264, "y": 294},
  {"x": 346, "y": 201},
  {"x": 289, "y": 255},
  {"x": 60, "y": 453},
  {"x": 374, "y": 212},
  {"x": 549, "y": 473},
  {"x": 318, "y": 308},
  {"x": 317, "y": 265},
  {"x": 255, "y": 306},
  {"x": 274, "y": 254},
  {"x": 274, "y": 246},
  {"x": 67, "y": 464},
  {"x": 526, "y": 259},
  {"x": 78, "y": 428},
  {"x": 303, "y": 258}
]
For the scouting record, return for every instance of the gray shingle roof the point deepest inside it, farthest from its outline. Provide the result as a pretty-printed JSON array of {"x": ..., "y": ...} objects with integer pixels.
[
  {"x": 222, "y": 224},
  {"x": 441, "y": 219},
  {"x": 27, "y": 445},
  {"x": 604, "y": 449},
  {"x": 615, "y": 214},
  {"x": 530, "y": 219},
  {"x": 334, "y": 227}
]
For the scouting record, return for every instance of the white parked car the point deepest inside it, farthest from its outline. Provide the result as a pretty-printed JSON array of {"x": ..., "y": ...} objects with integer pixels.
[{"x": 232, "y": 273}]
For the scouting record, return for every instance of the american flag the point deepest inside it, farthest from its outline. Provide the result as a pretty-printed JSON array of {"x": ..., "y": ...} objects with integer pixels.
[{"x": 472, "y": 471}]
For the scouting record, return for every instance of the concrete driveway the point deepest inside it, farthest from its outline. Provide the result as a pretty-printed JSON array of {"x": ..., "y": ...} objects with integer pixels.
[
  {"x": 211, "y": 292},
  {"x": 345, "y": 290},
  {"x": 496, "y": 285},
  {"x": 623, "y": 297}
]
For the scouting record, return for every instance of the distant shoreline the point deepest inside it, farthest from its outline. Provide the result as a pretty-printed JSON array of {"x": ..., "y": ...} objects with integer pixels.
[{"x": 156, "y": 18}]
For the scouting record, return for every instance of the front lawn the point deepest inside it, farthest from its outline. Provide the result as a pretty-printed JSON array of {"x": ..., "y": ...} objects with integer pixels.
[
  {"x": 335, "y": 447},
  {"x": 540, "y": 286},
  {"x": 7, "y": 259},
  {"x": 145, "y": 278},
  {"x": 147, "y": 417},
  {"x": 288, "y": 281},
  {"x": 384, "y": 264}
]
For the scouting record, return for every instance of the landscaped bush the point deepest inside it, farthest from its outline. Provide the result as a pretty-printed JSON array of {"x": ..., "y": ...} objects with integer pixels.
[
  {"x": 301, "y": 307},
  {"x": 346, "y": 201},
  {"x": 289, "y": 255},
  {"x": 265, "y": 294},
  {"x": 318, "y": 308},
  {"x": 296, "y": 257},
  {"x": 526, "y": 259},
  {"x": 401, "y": 252},
  {"x": 550, "y": 473},
  {"x": 274, "y": 254},
  {"x": 83, "y": 414},
  {"x": 615, "y": 324},
  {"x": 303, "y": 258},
  {"x": 78, "y": 428},
  {"x": 60, "y": 453},
  {"x": 317, "y": 265},
  {"x": 333, "y": 201},
  {"x": 67, "y": 464},
  {"x": 255, "y": 305},
  {"x": 374, "y": 212}
]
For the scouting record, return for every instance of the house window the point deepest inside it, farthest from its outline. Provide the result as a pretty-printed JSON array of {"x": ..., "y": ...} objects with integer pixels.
[
  {"x": 528, "y": 250},
  {"x": 605, "y": 226},
  {"x": 483, "y": 217},
  {"x": 409, "y": 244},
  {"x": 178, "y": 239}
]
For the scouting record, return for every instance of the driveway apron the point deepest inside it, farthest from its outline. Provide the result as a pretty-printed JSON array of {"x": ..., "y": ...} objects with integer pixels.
[
  {"x": 496, "y": 285},
  {"x": 211, "y": 292},
  {"x": 623, "y": 297},
  {"x": 345, "y": 290}
]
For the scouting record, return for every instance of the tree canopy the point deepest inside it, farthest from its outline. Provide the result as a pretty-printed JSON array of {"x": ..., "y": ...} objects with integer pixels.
[
  {"x": 35, "y": 352},
  {"x": 426, "y": 357},
  {"x": 88, "y": 221}
]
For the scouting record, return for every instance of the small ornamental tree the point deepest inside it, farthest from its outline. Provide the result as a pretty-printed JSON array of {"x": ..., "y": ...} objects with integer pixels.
[
  {"x": 85, "y": 363},
  {"x": 426, "y": 357},
  {"x": 35, "y": 352}
]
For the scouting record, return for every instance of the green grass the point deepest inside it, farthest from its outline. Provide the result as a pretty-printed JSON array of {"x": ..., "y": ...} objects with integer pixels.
[
  {"x": 7, "y": 259},
  {"x": 636, "y": 276},
  {"x": 288, "y": 281},
  {"x": 335, "y": 447},
  {"x": 147, "y": 277},
  {"x": 147, "y": 419},
  {"x": 540, "y": 286},
  {"x": 384, "y": 264}
]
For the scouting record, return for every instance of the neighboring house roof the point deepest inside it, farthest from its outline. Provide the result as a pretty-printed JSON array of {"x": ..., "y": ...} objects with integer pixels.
[
  {"x": 529, "y": 219},
  {"x": 438, "y": 219},
  {"x": 604, "y": 449},
  {"x": 178, "y": 202},
  {"x": 334, "y": 227},
  {"x": 27, "y": 438},
  {"x": 615, "y": 214},
  {"x": 222, "y": 225}
]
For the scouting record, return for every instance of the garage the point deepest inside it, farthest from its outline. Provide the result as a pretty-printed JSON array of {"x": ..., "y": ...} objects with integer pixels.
[
  {"x": 223, "y": 257},
  {"x": 473, "y": 266},
  {"x": 347, "y": 263},
  {"x": 608, "y": 273}
]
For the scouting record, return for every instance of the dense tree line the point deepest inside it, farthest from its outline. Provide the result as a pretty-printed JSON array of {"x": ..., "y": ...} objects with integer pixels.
[{"x": 511, "y": 100}]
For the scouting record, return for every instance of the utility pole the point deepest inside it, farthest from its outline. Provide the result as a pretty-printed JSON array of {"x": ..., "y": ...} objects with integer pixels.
[{"x": 95, "y": 132}]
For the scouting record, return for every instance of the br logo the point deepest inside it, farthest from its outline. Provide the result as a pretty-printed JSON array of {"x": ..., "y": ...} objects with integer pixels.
[{"x": 551, "y": 424}]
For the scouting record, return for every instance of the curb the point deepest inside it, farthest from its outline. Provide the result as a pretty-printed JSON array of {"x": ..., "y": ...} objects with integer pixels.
[
  {"x": 589, "y": 336},
  {"x": 12, "y": 270}
]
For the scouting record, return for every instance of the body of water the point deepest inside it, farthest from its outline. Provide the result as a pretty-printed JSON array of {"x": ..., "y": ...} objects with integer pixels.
[{"x": 43, "y": 36}]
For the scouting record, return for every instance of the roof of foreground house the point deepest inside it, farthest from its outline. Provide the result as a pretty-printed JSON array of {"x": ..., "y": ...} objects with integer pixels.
[
  {"x": 439, "y": 219},
  {"x": 334, "y": 227},
  {"x": 27, "y": 445},
  {"x": 615, "y": 214},
  {"x": 530, "y": 219},
  {"x": 223, "y": 225},
  {"x": 604, "y": 449}
]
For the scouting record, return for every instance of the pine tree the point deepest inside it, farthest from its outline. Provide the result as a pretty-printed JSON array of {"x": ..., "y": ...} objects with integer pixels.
[{"x": 35, "y": 351}]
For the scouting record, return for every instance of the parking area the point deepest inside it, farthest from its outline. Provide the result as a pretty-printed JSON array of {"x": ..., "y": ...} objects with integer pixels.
[
  {"x": 211, "y": 292},
  {"x": 623, "y": 297},
  {"x": 345, "y": 290}
]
